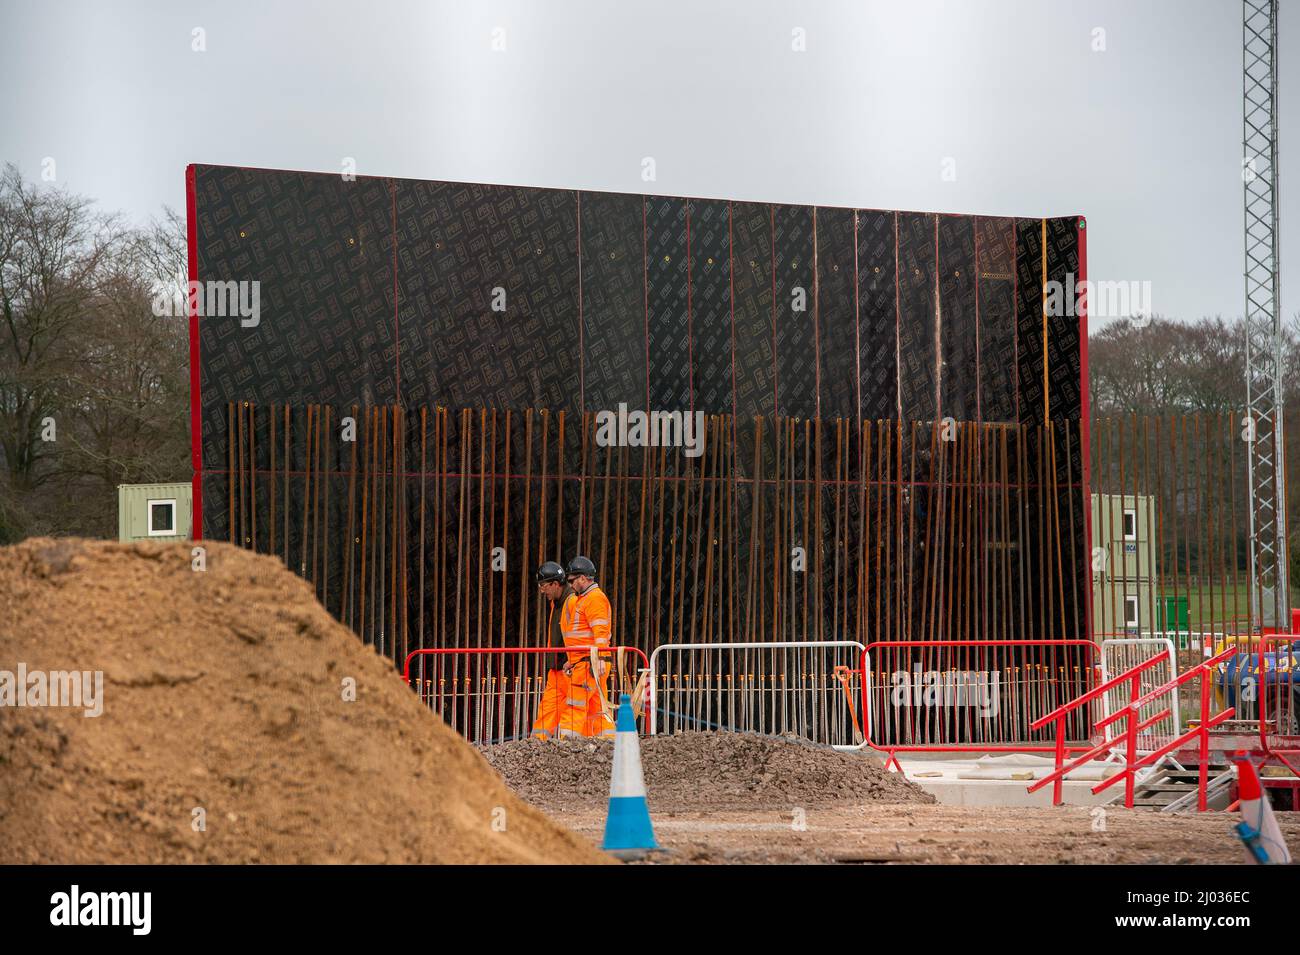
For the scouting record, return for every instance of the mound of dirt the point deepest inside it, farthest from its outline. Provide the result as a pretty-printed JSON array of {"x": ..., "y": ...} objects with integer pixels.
[
  {"x": 702, "y": 771},
  {"x": 226, "y": 734}
]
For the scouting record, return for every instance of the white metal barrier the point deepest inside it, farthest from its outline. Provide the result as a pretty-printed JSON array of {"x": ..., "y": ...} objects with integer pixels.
[
  {"x": 812, "y": 689},
  {"x": 1123, "y": 654}
]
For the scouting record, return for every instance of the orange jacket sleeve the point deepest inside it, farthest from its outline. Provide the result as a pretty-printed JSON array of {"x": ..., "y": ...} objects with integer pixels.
[{"x": 600, "y": 617}]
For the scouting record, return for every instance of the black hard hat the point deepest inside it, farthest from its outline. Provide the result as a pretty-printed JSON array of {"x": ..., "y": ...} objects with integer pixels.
[
  {"x": 550, "y": 572},
  {"x": 581, "y": 567}
]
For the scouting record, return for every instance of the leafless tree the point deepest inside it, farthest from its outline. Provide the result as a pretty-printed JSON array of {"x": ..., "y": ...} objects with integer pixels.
[{"x": 84, "y": 354}]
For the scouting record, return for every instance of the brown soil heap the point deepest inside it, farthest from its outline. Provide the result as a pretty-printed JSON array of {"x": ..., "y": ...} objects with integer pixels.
[
  {"x": 223, "y": 692},
  {"x": 702, "y": 771}
]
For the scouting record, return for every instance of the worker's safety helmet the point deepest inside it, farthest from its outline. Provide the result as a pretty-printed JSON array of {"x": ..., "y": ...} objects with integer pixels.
[
  {"x": 550, "y": 573},
  {"x": 581, "y": 567}
]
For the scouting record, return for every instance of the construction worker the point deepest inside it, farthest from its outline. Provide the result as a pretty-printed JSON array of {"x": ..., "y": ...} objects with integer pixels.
[
  {"x": 591, "y": 625},
  {"x": 575, "y": 701},
  {"x": 552, "y": 585}
]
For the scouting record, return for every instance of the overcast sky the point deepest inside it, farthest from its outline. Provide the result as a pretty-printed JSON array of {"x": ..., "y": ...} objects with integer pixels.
[{"x": 1144, "y": 138}]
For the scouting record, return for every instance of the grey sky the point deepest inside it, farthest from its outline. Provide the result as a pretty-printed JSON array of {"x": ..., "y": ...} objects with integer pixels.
[{"x": 1144, "y": 138}]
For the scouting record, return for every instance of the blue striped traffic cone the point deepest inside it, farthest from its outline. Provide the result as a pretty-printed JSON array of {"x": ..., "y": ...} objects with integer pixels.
[{"x": 628, "y": 832}]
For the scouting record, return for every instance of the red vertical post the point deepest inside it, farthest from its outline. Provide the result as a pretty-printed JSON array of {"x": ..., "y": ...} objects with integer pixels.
[
  {"x": 1202, "y": 803},
  {"x": 1085, "y": 446},
  {"x": 192, "y": 310},
  {"x": 1060, "y": 758},
  {"x": 1130, "y": 741}
]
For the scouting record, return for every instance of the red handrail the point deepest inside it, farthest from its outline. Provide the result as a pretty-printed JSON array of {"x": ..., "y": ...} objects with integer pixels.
[
  {"x": 1135, "y": 725},
  {"x": 1095, "y": 692},
  {"x": 1172, "y": 684}
]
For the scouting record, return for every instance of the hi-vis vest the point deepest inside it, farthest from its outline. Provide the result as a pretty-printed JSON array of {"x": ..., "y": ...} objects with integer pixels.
[{"x": 589, "y": 619}]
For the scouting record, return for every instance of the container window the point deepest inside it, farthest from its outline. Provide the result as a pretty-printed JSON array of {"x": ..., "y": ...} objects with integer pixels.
[
  {"x": 1130, "y": 611},
  {"x": 1130, "y": 524},
  {"x": 162, "y": 518}
]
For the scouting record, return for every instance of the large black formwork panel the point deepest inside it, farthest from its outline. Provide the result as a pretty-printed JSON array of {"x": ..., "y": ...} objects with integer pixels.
[
  {"x": 878, "y": 314},
  {"x": 755, "y": 371},
  {"x": 995, "y": 251},
  {"x": 320, "y": 250},
  {"x": 1063, "y": 346},
  {"x": 836, "y": 313},
  {"x": 667, "y": 280},
  {"x": 490, "y": 296},
  {"x": 795, "y": 325},
  {"x": 918, "y": 327},
  {"x": 1030, "y": 322},
  {"x": 614, "y": 321},
  {"x": 429, "y": 294},
  {"x": 959, "y": 331},
  {"x": 710, "y": 306}
]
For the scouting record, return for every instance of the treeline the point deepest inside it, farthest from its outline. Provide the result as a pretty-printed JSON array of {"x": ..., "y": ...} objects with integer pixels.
[
  {"x": 1170, "y": 369},
  {"x": 94, "y": 388}
]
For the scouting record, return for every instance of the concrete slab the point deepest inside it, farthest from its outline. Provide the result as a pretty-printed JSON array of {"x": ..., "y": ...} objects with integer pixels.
[{"x": 949, "y": 781}]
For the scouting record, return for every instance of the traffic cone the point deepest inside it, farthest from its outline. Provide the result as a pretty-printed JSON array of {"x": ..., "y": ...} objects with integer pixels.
[
  {"x": 1258, "y": 829},
  {"x": 628, "y": 833}
]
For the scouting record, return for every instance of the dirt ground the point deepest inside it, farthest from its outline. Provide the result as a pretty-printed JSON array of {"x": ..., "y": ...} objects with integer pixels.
[
  {"x": 228, "y": 733},
  {"x": 882, "y": 833},
  {"x": 738, "y": 798}
]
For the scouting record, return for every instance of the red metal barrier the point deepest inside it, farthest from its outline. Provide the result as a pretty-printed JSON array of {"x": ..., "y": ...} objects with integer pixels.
[
  {"x": 964, "y": 695},
  {"x": 491, "y": 694}
]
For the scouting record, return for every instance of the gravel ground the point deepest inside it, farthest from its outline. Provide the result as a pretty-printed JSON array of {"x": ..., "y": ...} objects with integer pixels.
[
  {"x": 701, "y": 771},
  {"x": 883, "y": 834}
]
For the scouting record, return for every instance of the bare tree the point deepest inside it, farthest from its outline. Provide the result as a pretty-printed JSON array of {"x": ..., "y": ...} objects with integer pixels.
[{"x": 84, "y": 360}]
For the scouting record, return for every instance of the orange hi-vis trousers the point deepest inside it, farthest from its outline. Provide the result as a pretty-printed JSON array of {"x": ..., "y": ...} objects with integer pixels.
[{"x": 571, "y": 703}]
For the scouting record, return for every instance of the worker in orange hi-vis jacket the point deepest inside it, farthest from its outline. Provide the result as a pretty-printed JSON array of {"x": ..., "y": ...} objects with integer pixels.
[
  {"x": 552, "y": 586},
  {"x": 575, "y": 700}
]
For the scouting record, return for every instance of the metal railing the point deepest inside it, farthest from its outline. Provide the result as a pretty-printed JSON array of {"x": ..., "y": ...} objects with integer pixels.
[
  {"x": 1121, "y": 655},
  {"x": 981, "y": 695},
  {"x": 810, "y": 689}
]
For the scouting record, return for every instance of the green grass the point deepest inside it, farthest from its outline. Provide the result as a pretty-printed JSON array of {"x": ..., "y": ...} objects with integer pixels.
[{"x": 1212, "y": 608}]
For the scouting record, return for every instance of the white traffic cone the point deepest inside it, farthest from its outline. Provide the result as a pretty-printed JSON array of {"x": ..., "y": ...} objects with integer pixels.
[
  {"x": 628, "y": 833},
  {"x": 1258, "y": 829}
]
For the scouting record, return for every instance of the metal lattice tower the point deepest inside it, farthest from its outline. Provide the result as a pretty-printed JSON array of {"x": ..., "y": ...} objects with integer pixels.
[{"x": 1266, "y": 463}]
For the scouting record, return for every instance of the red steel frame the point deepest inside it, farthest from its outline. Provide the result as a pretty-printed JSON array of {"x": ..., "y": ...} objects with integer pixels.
[
  {"x": 196, "y": 403},
  {"x": 1023, "y": 747},
  {"x": 497, "y": 651},
  {"x": 1085, "y": 452}
]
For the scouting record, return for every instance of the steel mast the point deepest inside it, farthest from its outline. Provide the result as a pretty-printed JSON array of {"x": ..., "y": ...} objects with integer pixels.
[{"x": 1269, "y": 590}]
